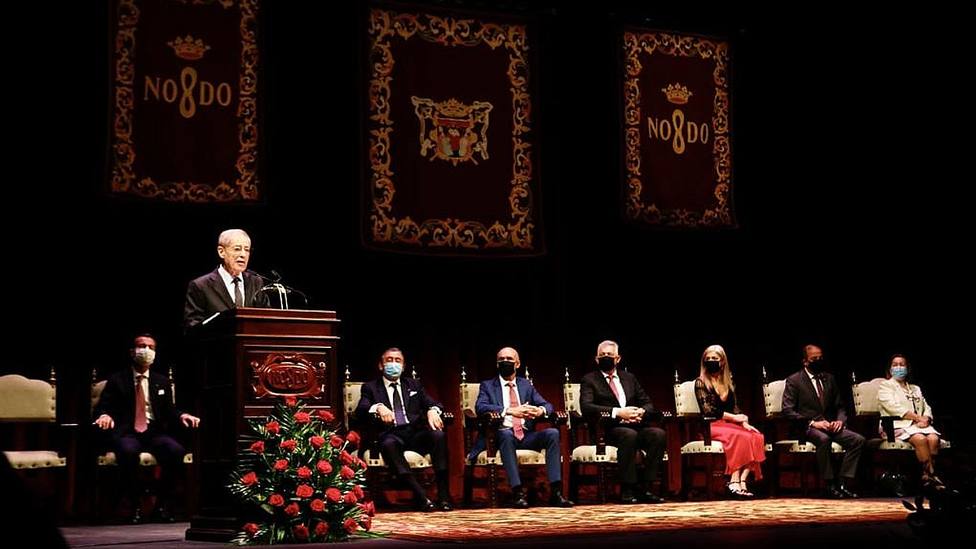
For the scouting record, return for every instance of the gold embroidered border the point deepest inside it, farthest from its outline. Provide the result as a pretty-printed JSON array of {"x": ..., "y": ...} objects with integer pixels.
[
  {"x": 124, "y": 178},
  {"x": 677, "y": 46},
  {"x": 517, "y": 233}
]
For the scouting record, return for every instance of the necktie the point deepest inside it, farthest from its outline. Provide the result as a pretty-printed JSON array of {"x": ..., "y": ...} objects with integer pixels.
[
  {"x": 613, "y": 387},
  {"x": 401, "y": 418},
  {"x": 513, "y": 401},
  {"x": 238, "y": 295},
  {"x": 140, "y": 424},
  {"x": 820, "y": 391}
]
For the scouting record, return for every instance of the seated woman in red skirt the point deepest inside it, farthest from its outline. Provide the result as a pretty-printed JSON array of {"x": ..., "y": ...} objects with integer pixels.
[{"x": 745, "y": 446}]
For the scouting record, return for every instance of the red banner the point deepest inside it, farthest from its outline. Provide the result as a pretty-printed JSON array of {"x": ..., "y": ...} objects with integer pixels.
[
  {"x": 450, "y": 155},
  {"x": 184, "y": 113},
  {"x": 677, "y": 147}
]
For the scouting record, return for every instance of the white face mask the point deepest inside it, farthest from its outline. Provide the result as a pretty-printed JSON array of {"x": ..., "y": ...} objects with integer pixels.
[{"x": 144, "y": 356}]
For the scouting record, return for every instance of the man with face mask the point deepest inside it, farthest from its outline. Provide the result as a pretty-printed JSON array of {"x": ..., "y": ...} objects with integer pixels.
[
  {"x": 137, "y": 408},
  {"x": 229, "y": 286},
  {"x": 410, "y": 420},
  {"x": 517, "y": 401},
  {"x": 618, "y": 393},
  {"x": 812, "y": 396}
]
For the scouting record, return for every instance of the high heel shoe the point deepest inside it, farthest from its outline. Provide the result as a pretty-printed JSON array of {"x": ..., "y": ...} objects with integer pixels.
[{"x": 733, "y": 489}]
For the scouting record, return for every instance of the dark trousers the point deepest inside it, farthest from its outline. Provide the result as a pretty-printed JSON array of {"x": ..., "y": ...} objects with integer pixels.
[
  {"x": 546, "y": 439},
  {"x": 167, "y": 451},
  {"x": 628, "y": 441},
  {"x": 852, "y": 443},
  {"x": 423, "y": 441}
]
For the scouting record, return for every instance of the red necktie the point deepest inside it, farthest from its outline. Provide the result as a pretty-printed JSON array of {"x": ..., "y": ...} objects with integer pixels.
[
  {"x": 613, "y": 387},
  {"x": 821, "y": 391},
  {"x": 513, "y": 401},
  {"x": 141, "y": 422}
]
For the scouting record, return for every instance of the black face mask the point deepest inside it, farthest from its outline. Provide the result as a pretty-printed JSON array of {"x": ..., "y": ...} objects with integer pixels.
[
  {"x": 606, "y": 363},
  {"x": 817, "y": 366},
  {"x": 713, "y": 366},
  {"x": 506, "y": 368}
]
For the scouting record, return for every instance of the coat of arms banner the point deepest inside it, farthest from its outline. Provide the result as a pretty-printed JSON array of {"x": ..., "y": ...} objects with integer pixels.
[
  {"x": 676, "y": 130},
  {"x": 184, "y": 122},
  {"x": 451, "y": 141}
]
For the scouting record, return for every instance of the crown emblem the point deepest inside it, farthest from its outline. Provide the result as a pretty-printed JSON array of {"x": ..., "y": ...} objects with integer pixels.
[
  {"x": 677, "y": 94},
  {"x": 188, "y": 48}
]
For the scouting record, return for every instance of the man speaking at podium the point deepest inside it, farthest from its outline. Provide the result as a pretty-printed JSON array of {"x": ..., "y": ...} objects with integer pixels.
[{"x": 230, "y": 286}]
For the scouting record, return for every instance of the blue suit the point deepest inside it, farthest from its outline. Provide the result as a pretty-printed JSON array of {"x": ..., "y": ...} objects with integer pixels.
[{"x": 490, "y": 400}]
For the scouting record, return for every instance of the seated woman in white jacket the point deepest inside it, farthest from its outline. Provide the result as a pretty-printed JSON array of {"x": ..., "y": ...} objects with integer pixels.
[{"x": 897, "y": 397}]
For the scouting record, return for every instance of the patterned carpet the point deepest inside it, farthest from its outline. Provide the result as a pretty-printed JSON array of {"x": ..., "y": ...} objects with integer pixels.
[{"x": 542, "y": 522}]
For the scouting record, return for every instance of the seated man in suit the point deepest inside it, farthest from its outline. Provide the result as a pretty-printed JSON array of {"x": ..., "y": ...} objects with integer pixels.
[
  {"x": 411, "y": 421},
  {"x": 230, "y": 286},
  {"x": 619, "y": 393},
  {"x": 812, "y": 395},
  {"x": 137, "y": 407},
  {"x": 520, "y": 404}
]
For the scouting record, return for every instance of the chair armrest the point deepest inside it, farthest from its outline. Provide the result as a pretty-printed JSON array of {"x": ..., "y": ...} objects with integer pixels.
[
  {"x": 447, "y": 418},
  {"x": 888, "y": 426}
]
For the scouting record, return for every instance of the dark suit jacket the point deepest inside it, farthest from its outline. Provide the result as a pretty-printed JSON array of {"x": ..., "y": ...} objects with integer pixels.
[
  {"x": 119, "y": 401},
  {"x": 490, "y": 400},
  {"x": 416, "y": 402},
  {"x": 800, "y": 400},
  {"x": 207, "y": 295},
  {"x": 596, "y": 395}
]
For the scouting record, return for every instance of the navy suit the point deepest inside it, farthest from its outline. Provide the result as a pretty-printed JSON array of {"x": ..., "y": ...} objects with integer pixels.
[
  {"x": 596, "y": 396},
  {"x": 208, "y": 294},
  {"x": 800, "y": 402},
  {"x": 118, "y": 401},
  {"x": 490, "y": 400},
  {"x": 416, "y": 435}
]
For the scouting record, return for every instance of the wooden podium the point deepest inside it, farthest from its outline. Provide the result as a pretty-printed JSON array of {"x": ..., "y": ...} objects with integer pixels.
[{"x": 247, "y": 360}]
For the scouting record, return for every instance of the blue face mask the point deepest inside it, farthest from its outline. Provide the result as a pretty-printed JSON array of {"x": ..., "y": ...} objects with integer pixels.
[
  {"x": 392, "y": 370},
  {"x": 899, "y": 372}
]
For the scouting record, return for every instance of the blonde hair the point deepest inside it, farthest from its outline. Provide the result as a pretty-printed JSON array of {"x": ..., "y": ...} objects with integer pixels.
[{"x": 726, "y": 370}]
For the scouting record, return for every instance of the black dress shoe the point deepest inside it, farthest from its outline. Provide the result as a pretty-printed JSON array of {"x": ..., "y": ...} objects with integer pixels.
[
  {"x": 136, "y": 517},
  {"x": 444, "y": 505},
  {"x": 426, "y": 506},
  {"x": 650, "y": 497},
  {"x": 831, "y": 492},
  {"x": 628, "y": 497},
  {"x": 847, "y": 493},
  {"x": 557, "y": 500}
]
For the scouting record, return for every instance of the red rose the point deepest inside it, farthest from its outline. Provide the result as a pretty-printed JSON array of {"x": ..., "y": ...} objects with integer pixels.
[
  {"x": 350, "y": 525},
  {"x": 304, "y": 491},
  {"x": 369, "y": 508},
  {"x": 358, "y": 490},
  {"x": 258, "y": 447},
  {"x": 316, "y": 441},
  {"x": 336, "y": 441},
  {"x": 366, "y": 522},
  {"x": 323, "y": 467},
  {"x": 272, "y": 427},
  {"x": 333, "y": 495},
  {"x": 291, "y": 401},
  {"x": 302, "y": 417},
  {"x": 251, "y": 528},
  {"x": 349, "y": 498},
  {"x": 292, "y": 509},
  {"x": 346, "y": 458},
  {"x": 321, "y": 529},
  {"x": 346, "y": 473},
  {"x": 363, "y": 464},
  {"x": 353, "y": 438},
  {"x": 304, "y": 472},
  {"x": 281, "y": 465},
  {"x": 317, "y": 505},
  {"x": 288, "y": 445},
  {"x": 276, "y": 500},
  {"x": 249, "y": 478},
  {"x": 326, "y": 416},
  {"x": 300, "y": 531}
]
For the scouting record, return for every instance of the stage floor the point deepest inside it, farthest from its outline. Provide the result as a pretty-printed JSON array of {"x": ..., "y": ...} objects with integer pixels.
[{"x": 798, "y": 522}]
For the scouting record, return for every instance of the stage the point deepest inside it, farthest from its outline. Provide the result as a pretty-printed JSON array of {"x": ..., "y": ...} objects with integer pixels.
[{"x": 798, "y": 522}]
